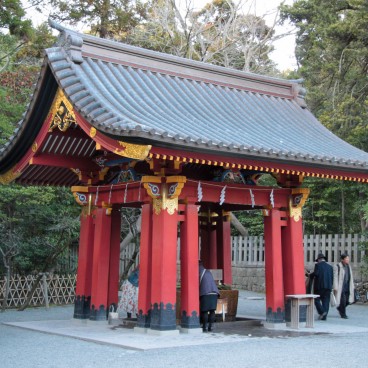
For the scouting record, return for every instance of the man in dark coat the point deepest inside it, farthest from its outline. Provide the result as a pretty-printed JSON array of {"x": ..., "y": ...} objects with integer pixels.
[{"x": 323, "y": 281}]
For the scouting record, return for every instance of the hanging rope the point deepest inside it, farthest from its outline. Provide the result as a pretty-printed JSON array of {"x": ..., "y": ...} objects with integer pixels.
[
  {"x": 126, "y": 192},
  {"x": 272, "y": 199},
  {"x": 110, "y": 193},
  {"x": 252, "y": 198},
  {"x": 96, "y": 195},
  {"x": 199, "y": 192},
  {"x": 139, "y": 191},
  {"x": 222, "y": 195}
]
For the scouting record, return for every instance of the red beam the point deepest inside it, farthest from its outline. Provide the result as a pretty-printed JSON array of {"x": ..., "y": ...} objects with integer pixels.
[{"x": 236, "y": 194}]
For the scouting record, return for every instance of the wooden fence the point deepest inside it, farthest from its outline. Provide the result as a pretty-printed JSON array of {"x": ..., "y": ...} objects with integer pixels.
[
  {"x": 246, "y": 252},
  {"x": 57, "y": 289},
  {"x": 249, "y": 251}
]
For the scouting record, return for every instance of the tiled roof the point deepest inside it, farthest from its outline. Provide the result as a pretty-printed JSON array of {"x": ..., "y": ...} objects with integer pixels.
[{"x": 145, "y": 96}]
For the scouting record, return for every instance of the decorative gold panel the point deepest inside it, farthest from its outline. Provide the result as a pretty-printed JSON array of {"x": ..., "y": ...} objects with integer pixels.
[
  {"x": 296, "y": 202},
  {"x": 9, "y": 176},
  {"x": 136, "y": 151},
  {"x": 165, "y": 203},
  {"x": 164, "y": 191},
  {"x": 62, "y": 114}
]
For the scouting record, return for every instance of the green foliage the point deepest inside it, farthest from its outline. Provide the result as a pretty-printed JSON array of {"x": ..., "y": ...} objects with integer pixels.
[
  {"x": 45, "y": 220},
  {"x": 105, "y": 18},
  {"x": 252, "y": 220},
  {"x": 15, "y": 89},
  {"x": 11, "y": 18},
  {"x": 332, "y": 49},
  {"x": 334, "y": 207}
]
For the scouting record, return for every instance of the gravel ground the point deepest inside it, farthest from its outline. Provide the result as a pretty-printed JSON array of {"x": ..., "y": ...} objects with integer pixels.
[{"x": 24, "y": 348}]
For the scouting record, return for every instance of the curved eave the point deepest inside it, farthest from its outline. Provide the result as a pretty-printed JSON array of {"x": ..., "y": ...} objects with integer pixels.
[
  {"x": 234, "y": 120},
  {"x": 28, "y": 128},
  {"x": 141, "y": 105}
]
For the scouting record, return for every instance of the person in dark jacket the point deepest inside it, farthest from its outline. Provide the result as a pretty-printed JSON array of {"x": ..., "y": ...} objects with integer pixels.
[
  {"x": 323, "y": 281},
  {"x": 208, "y": 294}
]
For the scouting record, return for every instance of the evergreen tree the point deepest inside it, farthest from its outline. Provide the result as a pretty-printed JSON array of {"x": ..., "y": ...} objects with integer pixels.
[{"x": 332, "y": 50}]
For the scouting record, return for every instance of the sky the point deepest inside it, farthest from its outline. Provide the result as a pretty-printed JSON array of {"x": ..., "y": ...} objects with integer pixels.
[{"x": 283, "y": 55}]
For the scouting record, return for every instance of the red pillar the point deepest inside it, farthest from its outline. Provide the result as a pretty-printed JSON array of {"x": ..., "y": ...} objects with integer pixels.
[
  {"x": 224, "y": 248},
  {"x": 209, "y": 246},
  {"x": 275, "y": 311},
  {"x": 189, "y": 313},
  {"x": 212, "y": 236},
  {"x": 145, "y": 268},
  {"x": 293, "y": 257},
  {"x": 163, "y": 286},
  {"x": 113, "y": 294},
  {"x": 84, "y": 274},
  {"x": 205, "y": 246},
  {"x": 101, "y": 263}
]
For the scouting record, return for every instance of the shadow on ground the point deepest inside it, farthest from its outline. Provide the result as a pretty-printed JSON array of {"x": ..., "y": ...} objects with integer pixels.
[{"x": 241, "y": 327}]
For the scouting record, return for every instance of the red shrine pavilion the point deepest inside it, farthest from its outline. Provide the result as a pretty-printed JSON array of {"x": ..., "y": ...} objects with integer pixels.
[{"x": 184, "y": 141}]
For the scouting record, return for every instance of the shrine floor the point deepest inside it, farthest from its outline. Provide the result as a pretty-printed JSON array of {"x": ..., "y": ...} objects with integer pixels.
[{"x": 251, "y": 307}]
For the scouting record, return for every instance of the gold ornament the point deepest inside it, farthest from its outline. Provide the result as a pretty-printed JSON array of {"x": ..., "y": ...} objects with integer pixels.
[
  {"x": 135, "y": 151},
  {"x": 296, "y": 202},
  {"x": 62, "y": 113},
  {"x": 164, "y": 191},
  {"x": 92, "y": 132},
  {"x": 9, "y": 176}
]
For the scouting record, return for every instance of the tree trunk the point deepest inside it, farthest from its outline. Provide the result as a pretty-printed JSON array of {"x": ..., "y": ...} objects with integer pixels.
[
  {"x": 104, "y": 17},
  {"x": 129, "y": 238},
  {"x": 238, "y": 226},
  {"x": 7, "y": 287},
  {"x": 130, "y": 263}
]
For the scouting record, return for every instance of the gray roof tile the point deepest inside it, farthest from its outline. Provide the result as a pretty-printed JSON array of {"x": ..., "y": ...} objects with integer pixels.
[{"x": 140, "y": 94}]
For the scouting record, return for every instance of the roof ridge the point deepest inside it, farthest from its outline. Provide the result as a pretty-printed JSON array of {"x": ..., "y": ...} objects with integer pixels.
[{"x": 77, "y": 44}]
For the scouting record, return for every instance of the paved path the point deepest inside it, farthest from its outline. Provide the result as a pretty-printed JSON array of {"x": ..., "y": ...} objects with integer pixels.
[{"x": 329, "y": 344}]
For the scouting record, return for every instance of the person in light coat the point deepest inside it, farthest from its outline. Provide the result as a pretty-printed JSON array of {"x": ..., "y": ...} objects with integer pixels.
[{"x": 343, "y": 285}]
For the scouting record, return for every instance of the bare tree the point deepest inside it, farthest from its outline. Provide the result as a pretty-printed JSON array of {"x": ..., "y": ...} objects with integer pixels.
[
  {"x": 223, "y": 32},
  {"x": 131, "y": 228}
]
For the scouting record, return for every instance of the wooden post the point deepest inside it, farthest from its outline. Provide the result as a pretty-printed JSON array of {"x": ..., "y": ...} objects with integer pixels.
[
  {"x": 45, "y": 291},
  {"x": 163, "y": 286},
  {"x": 189, "y": 305},
  {"x": 224, "y": 248},
  {"x": 82, "y": 303},
  {"x": 101, "y": 263},
  {"x": 145, "y": 268},
  {"x": 114, "y": 258},
  {"x": 293, "y": 257},
  {"x": 275, "y": 312}
]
